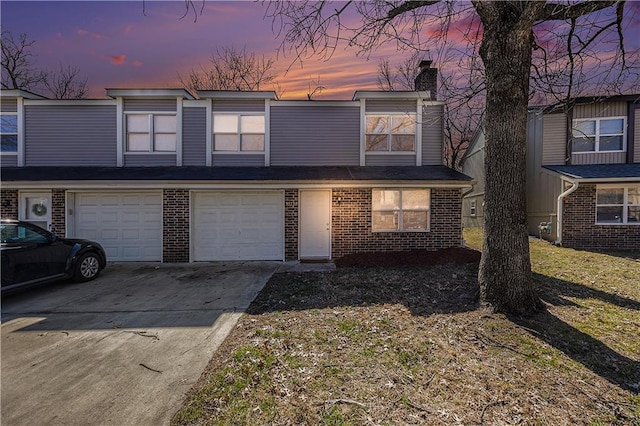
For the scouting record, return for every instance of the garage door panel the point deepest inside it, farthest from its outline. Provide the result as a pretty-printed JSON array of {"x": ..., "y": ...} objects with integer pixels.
[
  {"x": 128, "y": 226},
  {"x": 238, "y": 225}
]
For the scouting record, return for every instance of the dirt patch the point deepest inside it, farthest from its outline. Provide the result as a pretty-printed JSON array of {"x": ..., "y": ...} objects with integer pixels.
[{"x": 453, "y": 255}]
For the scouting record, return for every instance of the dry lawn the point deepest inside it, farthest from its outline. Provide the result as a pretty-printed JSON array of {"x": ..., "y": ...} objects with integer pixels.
[{"x": 411, "y": 345}]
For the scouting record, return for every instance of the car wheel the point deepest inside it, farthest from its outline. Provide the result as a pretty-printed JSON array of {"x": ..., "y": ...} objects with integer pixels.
[{"x": 87, "y": 267}]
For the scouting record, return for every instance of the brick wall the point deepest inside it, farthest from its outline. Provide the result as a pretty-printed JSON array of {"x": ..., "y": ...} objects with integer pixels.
[
  {"x": 175, "y": 227},
  {"x": 291, "y": 224},
  {"x": 351, "y": 224},
  {"x": 58, "y": 203},
  {"x": 580, "y": 231},
  {"x": 9, "y": 203}
]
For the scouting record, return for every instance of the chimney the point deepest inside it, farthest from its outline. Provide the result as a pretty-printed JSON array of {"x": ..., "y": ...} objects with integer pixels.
[{"x": 427, "y": 79}]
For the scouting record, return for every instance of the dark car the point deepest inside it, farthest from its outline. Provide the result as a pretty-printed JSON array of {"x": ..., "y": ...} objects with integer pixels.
[{"x": 33, "y": 256}]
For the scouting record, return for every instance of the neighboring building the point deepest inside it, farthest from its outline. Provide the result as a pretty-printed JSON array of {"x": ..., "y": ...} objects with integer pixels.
[
  {"x": 473, "y": 165},
  {"x": 156, "y": 175},
  {"x": 583, "y": 162}
]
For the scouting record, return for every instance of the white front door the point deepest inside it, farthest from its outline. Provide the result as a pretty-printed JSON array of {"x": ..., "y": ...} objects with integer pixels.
[{"x": 315, "y": 224}]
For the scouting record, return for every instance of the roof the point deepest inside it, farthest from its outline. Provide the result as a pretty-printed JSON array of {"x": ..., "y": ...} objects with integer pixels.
[
  {"x": 238, "y": 174},
  {"x": 150, "y": 93},
  {"x": 19, "y": 93},
  {"x": 599, "y": 172},
  {"x": 561, "y": 106}
]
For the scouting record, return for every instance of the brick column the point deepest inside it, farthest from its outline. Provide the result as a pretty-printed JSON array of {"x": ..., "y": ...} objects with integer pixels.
[
  {"x": 9, "y": 204},
  {"x": 291, "y": 224},
  {"x": 58, "y": 207},
  {"x": 175, "y": 229}
]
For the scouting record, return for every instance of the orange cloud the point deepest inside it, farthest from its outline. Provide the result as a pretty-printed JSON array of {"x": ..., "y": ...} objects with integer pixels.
[
  {"x": 118, "y": 59},
  {"x": 127, "y": 29},
  {"x": 82, "y": 32},
  {"x": 137, "y": 63}
]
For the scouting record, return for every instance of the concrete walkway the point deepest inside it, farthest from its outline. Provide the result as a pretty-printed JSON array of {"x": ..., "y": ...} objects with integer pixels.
[{"x": 123, "y": 349}]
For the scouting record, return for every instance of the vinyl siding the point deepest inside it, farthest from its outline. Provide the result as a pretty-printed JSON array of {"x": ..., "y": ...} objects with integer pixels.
[
  {"x": 70, "y": 135},
  {"x": 432, "y": 135},
  {"x": 149, "y": 160},
  {"x": 600, "y": 109},
  {"x": 8, "y": 160},
  {"x": 599, "y": 158},
  {"x": 238, "y": 160},
  {"x": 194, "y": 136},
  {"x": 554, "y": 136},
  {"x": 150, "y": 105},
  {"x": 238, "y": 105},
  {"x": 390, "y": 160},
  {"x": 636, "y": 142},
  {"x": 8, "y": 105},
  {"x": 308, "y": 135},
  {"x": 542, "y": 196},
  {"x": 390, "y": 105}
]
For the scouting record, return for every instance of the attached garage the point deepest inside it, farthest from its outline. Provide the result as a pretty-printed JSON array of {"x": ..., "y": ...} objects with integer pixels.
[
  {"x": 127, "y": 224},
  {"x": 238, "y": 225}
]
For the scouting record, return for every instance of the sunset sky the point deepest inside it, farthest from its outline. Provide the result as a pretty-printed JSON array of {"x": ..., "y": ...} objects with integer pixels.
[{"x": 115, "y": 44}]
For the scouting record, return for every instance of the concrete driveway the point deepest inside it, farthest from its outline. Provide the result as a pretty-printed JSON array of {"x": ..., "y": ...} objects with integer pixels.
[{"x": 123, "y": 349}]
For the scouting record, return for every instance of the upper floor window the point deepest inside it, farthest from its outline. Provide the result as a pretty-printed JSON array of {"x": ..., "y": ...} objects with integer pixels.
[
  {"x": 400, "y": 210},
  {"x": 238, "y": 132},
  {"x": 151, "y": 132},
  {"x": 599, "y": 134},
  {"x": 390, "y": 133},
  {"x": 9, "y": 133},
  {"x": 618, "y": 205}
]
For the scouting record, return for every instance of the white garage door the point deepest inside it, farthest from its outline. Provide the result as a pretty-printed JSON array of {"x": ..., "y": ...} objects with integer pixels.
[
  {"x": 128, "y": 225},
  {"x": 244, "y": 225}
]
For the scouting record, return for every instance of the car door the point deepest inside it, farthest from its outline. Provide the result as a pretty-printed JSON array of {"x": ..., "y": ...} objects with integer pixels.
[{"x": 30, "y": 254}]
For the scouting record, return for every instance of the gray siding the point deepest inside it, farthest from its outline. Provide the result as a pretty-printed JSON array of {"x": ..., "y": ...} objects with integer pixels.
[
  {"x": 8, "y": 160},
  {"x": 432, "y": 135},
  {"x": 315, "y": 136},
  {"x": 70, "y": 135},
  {"x": 238, "y": 160},
  {"x": 636, "y": 129},
  {"x": 390, "y": 105},
  {"x": 150, "y": 105},
  {"x": 600, "y": 109},
  {"x": 149, "y": 160},
  {"x": 469, "y": 221},
  {"x": 554, "y": 137},
  {"x": 194, "y": 136},
  {"x": 599, "y": 158},
  {"x": 8, "y": 105},
  {"x": 238, "y": 105},
  {"x": 390, "y": 160}
]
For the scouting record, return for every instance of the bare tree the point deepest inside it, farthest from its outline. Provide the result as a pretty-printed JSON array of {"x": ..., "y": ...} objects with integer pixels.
[
  {"x": 66, "y": 83},
  {"x": 512, "y": 40},
  {"x": 17, "y": 70},
  {"x": 231, "y": 69}
]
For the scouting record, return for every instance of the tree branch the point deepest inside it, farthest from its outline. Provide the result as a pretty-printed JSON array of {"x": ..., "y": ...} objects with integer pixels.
[{"x": 555, "y": 11}]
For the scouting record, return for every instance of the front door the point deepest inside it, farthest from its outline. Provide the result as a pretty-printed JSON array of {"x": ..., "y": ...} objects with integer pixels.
[{"x": 315, "y": 224}]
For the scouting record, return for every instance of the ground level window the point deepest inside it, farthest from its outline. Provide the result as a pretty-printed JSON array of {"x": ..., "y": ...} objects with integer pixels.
[
  {"x": 618, "y": 205},
  {"x": 400, "y": 210}
]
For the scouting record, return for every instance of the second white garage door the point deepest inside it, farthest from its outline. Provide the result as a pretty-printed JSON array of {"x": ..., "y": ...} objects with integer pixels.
[
  {"x": 242, "y": 225},
  {"x": 128, "y": 225}
]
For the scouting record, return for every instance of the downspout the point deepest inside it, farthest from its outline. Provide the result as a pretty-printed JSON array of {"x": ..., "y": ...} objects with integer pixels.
[{"x": 574, "y": 186}]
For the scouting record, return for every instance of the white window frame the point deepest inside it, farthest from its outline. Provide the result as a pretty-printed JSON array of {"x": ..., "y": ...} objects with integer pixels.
[
  {"x": 401, "y": 211},
  {"x": 597, "y": 135},
  {"x": 625, "y": 205},
  {"x": 412, "y": 115},
  {"x": 473, "y": 208},
  {"x": 151, "y": 133},
  {"x": 239, "y": 132},
  {"x": 13, "y": 114}
]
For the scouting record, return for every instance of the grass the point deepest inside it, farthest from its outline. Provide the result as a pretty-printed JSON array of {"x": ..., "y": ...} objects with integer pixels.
[{"x": 412, "y": 346}]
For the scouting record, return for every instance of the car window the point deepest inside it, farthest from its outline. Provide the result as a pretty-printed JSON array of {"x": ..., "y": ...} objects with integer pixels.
[{"x": 12, "y": 233}]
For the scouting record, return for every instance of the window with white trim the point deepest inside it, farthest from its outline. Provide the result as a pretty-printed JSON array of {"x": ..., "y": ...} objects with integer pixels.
[
  {"x": 618, "y": 205},
  {"x": 238, "y": 132},
  {"x": 394, "y": 210},
  {"x": 473, "y": 207},
  {"x": 390, "y": 132},
  {"x": 599, "y": 134},
  {"x": 151, "y": 132},
  {"x": 9, "y": 133}
]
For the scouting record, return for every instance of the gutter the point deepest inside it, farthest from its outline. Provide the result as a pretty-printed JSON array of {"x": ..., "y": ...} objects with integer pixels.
[{"x": 574, "y": 186}]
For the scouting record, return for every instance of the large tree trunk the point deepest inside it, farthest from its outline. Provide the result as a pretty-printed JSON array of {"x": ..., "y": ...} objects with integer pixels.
[{"x": 505, "y": 277}]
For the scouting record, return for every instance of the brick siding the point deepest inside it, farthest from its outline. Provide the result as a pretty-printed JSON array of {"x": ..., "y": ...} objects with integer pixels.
[
  {"x": 291, "y": 200},
  {"x": 58, "y": 207},
  {"x": 175, "y": 225},
  {"x": 580, "y": 231},
  {"x": 351, "y": 224},
  {"x": 9, "y": 203}
]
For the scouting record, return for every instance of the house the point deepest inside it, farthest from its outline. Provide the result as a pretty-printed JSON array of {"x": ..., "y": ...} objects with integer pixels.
[
  {"x": 160, "y": 175},
  {"x": 583, "y": 173}
]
